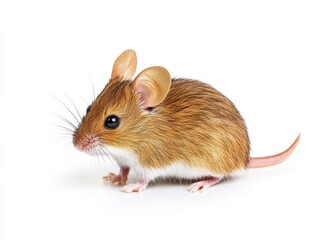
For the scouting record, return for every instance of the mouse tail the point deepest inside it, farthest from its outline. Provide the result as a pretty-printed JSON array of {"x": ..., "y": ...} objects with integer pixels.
[{"x": 259, "y": 162}]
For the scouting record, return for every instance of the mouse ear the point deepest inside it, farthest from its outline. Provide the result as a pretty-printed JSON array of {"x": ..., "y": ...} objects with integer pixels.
[
  {"x": 152, "y": 84},
  {"x": 125, "y": 66}
]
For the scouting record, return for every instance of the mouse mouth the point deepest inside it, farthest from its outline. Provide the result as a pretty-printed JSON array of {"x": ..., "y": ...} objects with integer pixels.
[{"x": 87, "y": 143}]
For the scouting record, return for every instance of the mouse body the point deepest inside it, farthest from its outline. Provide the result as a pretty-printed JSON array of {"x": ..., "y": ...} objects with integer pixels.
[{"x": 166, "y": 128}]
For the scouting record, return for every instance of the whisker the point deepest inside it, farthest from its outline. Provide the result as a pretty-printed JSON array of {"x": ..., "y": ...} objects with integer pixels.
[
  {"x": 69, "y": 130},
  {"x": 105, "y": 149},
  {"x": 76, "y": 109},
  {"x": 96, "y": 157},
  {"x": 66, "y": 134},
  {"x": 103, "y": 153},
  {"x": 63, "y": 138},
  {"x": 64, "y": 120},
  {"x": 94, "y": 96},
  {"x": 69, "y": 110},
  {"x": 103, "y": 157},
  {"x": 100, "y": 154},
  {"x": 108, "y": 154}
]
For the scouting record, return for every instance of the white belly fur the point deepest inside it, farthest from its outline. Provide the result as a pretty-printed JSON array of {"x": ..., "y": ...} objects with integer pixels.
[{"x": 178, "y": 169}]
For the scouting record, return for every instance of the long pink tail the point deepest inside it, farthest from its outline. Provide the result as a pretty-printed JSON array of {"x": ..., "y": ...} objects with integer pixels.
[{"x": 259, "y": 162}]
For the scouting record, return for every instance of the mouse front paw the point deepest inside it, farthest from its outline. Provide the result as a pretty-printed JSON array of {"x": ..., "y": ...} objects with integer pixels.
[
  {"x": 118, "y": 179},
  {"x": 115, "y": 179}
]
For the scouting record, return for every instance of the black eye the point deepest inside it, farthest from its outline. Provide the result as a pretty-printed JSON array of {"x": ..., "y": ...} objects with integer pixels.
[
  {"x": 112, "y": 122},
  {"x": 88, "y": 109}
]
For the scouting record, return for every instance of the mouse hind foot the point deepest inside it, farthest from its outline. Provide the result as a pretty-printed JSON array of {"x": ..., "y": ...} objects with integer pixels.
[{"x": 201, "y": 186}]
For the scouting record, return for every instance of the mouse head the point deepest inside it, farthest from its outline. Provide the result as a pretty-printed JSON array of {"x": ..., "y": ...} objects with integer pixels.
[{"x": 117, "y": 115}]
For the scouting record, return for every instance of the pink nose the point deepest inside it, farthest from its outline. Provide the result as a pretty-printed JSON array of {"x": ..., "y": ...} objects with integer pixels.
[{"x": 85, "y": 143}]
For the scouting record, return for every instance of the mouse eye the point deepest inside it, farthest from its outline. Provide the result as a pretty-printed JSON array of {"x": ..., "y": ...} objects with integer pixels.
[
  {"x": 112, "y": 122},
  {"x": 88, "y": 109}
]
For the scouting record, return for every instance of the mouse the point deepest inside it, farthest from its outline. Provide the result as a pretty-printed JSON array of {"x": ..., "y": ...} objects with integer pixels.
[{"x": 161, "y": 127}]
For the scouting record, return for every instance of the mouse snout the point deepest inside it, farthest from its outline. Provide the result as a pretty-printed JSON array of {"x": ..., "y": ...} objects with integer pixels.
[{"x": 85, "y": 143}]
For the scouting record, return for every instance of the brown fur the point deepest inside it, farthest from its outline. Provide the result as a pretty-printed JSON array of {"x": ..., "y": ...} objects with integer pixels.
[{"x": 195, "y": 124}]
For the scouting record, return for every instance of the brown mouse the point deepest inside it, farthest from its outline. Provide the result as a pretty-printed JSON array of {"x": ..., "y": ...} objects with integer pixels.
[{"x": 166, "y": 128}]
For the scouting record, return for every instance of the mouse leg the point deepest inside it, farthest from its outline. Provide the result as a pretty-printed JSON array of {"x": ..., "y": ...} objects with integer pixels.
[
  {"x": 200, "y": 186},
  {"x": 135, "y": 187},
  {"x": 119, "y": 179}
]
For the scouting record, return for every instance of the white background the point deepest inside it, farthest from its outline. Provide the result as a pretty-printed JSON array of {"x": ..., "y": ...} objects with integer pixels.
[{"x": 263, "y": 55}]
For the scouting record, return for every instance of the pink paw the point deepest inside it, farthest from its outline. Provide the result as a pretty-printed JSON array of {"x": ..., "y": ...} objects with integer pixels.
[
  {"x": 201, "y": 186},
  {"x": 198, "y": 186},
  {"x": 115, "y": 179},
  {"x": 134, "y": 187}
]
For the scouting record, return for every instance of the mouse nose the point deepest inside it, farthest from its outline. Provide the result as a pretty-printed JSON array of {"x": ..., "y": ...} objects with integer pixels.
[{"x": 85, "y": 143}]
